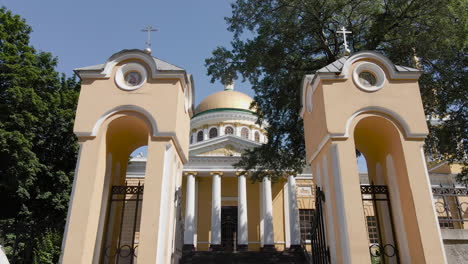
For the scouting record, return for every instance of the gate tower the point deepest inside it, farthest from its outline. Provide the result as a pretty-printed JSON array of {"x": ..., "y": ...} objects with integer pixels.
[
  {"x": 364, "y": 102},
  {"x": 131, "y": 100}
]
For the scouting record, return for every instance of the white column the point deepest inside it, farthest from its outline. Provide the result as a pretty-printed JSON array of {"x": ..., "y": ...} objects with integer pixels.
[
  {"x": 242, "y": 227},
  {"x": 205, "y": 133},
  {"x": 190, "y": 211},
  {"x": 220, "y": 130},
  {"x": 293, "y": 213},
  {"x": 268, "y": 236},
  {"x": 216, "y": 210}
]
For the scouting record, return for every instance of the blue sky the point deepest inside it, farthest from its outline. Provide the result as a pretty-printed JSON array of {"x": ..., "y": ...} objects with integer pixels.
[{"x": 82, "y": 33}]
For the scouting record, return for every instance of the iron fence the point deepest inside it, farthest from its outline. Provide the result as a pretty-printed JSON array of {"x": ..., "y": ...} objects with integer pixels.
[
  {"x": 122, "y": 224},
  {"x": 451, "y": 204}
]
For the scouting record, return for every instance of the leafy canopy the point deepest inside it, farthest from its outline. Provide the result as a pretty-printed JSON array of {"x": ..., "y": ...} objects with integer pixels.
[
  {"x": 37, "y": 145},
  {"x": 277, "y": 42}
]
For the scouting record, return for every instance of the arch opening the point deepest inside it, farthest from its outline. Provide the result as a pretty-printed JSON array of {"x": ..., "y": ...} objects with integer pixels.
[
  {"x": 384, "y": 185},
  {"x": 125, "y": 133}
]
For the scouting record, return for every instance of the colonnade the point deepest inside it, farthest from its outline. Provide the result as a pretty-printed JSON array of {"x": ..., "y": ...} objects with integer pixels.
[{"x": 242, "y": 217}]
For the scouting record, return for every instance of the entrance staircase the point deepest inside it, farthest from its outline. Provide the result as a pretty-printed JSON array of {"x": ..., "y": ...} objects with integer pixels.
[{"x": 247, "y": 257}]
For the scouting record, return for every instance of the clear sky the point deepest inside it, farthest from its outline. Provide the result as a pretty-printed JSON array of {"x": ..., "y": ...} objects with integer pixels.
[{"x": 82, "y": 33}]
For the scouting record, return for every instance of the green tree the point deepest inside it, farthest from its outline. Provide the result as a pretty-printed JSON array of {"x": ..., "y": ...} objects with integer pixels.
[
  {"x": 277, "y": 42},
  {"x": 37, "y": 145}
]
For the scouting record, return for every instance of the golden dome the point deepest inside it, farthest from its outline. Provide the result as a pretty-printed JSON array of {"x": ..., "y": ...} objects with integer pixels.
[{"x": 227, "y": 99}]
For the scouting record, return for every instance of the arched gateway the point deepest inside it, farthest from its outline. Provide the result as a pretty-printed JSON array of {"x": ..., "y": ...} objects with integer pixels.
[
  {"x": 364, "y": 102},
  {"x": 173, "y": 206},
  {"x": 130, "y": 101}
]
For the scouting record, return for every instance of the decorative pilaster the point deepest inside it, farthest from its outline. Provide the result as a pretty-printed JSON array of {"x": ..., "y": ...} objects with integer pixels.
[
  {"x": 294, "y": 223},
  {"x": 242, "y": 225},
  {"x": 205, "y": 132},
  {"x": 215, "y": 242},
  {"x": 268, "y": 235},
  {"x": 190, "y": 212}
]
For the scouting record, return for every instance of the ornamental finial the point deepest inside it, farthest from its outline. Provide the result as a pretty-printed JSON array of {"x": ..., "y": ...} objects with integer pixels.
[
  {"x": 148, "y": 29},
  {"x": 229, "y": 87},
  {"x": 345, "y": 42}
]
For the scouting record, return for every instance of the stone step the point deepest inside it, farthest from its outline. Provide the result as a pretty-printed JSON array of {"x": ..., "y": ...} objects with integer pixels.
[{"x": 249, "y": 257}]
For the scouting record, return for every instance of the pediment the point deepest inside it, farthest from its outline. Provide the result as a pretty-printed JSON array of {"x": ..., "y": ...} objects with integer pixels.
[{"x": 224, "y": 146}]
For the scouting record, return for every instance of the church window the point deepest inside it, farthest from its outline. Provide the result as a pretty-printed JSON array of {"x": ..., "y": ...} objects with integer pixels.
[
  {"x": 200, "y": 136},
  {"x": 213, "y": 132},
  {"x": 305, "y": 217},
  {"x": 257, "y": 136},
  {"x": 130, "y": 76},
  {"x": 372, "y": 229},
  {"x": 133, "y": 78},
  {"x": 229, "y": 130},
  {"x": 369, "y": 76},
  {"x": 245, "y": 133},
  {"x": 367, "y": 79}
]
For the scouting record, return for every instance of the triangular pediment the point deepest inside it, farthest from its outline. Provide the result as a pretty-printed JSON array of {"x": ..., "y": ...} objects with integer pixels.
[{"x": 224, "y": 146}]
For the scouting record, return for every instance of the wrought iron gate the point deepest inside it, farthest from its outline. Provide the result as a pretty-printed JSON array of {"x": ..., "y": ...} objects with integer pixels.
[
  {"x": 379, "y": 221},
  {"x": 122, "y": 224},
  {"x": 229, "y": 228},
  {"x": 320, "y": 251}
]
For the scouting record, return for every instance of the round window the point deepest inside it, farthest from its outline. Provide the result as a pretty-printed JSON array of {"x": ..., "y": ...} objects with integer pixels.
[
  {"x": 369, "y": 76},
  {"x": 133, "y": 78},
  {"x": 367, "y": 79},
  {"x": 130, "y": 76}
]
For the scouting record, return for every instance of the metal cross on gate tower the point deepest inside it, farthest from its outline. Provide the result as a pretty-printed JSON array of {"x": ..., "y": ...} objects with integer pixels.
[
  {"x": 344, "y": 31},
  {"x": 148, "y": 29}
]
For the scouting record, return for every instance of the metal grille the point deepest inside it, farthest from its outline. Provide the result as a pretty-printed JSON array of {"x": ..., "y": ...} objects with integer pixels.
[
  {"x": 305, "y": 217},
  {"x": 451, "y": 205},
  {"x": 229, "y": 228},
  {"x": 371, "y": 222},
  {"x": 320, "y": 251},
  {"x": 378, "y": 212},
  {"x": 122, "y": 224}
]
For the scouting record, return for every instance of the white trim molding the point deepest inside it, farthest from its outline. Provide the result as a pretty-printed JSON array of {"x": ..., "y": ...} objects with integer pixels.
[
  {"x": 388, "y": 114},
  {"x": 127, "y": 68},
  {"x": 374, "y": 70},
  {"x": 310, "y": 82}
]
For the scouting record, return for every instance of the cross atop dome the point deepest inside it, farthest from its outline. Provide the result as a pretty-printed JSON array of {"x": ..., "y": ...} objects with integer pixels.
[{"x": 229, "y": 87}]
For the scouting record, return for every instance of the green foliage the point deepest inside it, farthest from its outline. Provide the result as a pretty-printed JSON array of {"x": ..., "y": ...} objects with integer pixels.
[
  {"x": 277, "y": 42},
  {"x": 37, "y": 145},
  {"x": 47, "y": 249}
]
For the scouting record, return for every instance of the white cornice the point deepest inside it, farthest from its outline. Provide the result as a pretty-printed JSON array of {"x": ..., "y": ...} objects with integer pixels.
[
  {"x": 219, "y": 142},
  {"x": 221, "y": 116},
  {"x": 107, "y": 68}
]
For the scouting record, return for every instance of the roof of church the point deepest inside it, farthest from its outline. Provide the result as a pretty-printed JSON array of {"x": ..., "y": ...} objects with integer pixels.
[
  {"x": 337, "y": 67},
  {"x": 227, "y": 99},
  {"x": 160, "y": 64}
]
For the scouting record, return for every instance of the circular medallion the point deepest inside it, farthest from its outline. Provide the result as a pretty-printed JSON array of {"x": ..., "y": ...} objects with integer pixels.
[
  {"x": 369, "y": 76},
  {"x": 133, "y": 78},
  {"x": 130, "y": 76},
  {"x": 367, "y": 79}
]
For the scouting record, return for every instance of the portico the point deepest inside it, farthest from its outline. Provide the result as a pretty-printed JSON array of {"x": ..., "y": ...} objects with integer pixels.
[{"x": 259, "y": 223}]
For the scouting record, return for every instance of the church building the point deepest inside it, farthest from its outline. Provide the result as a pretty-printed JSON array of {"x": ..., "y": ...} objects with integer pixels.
[{"x": 185, "y": 202}]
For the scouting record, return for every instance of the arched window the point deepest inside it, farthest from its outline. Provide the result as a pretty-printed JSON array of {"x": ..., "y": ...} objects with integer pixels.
[
  {"x": 213, "y": 132},
  {"x": 229, "y": 130},
  {"x": 245, "y": 133},
  {"x": 257, "y": 136},
  {"x": 200, "y": 136},
  {"x": 191, "y": 139}
]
